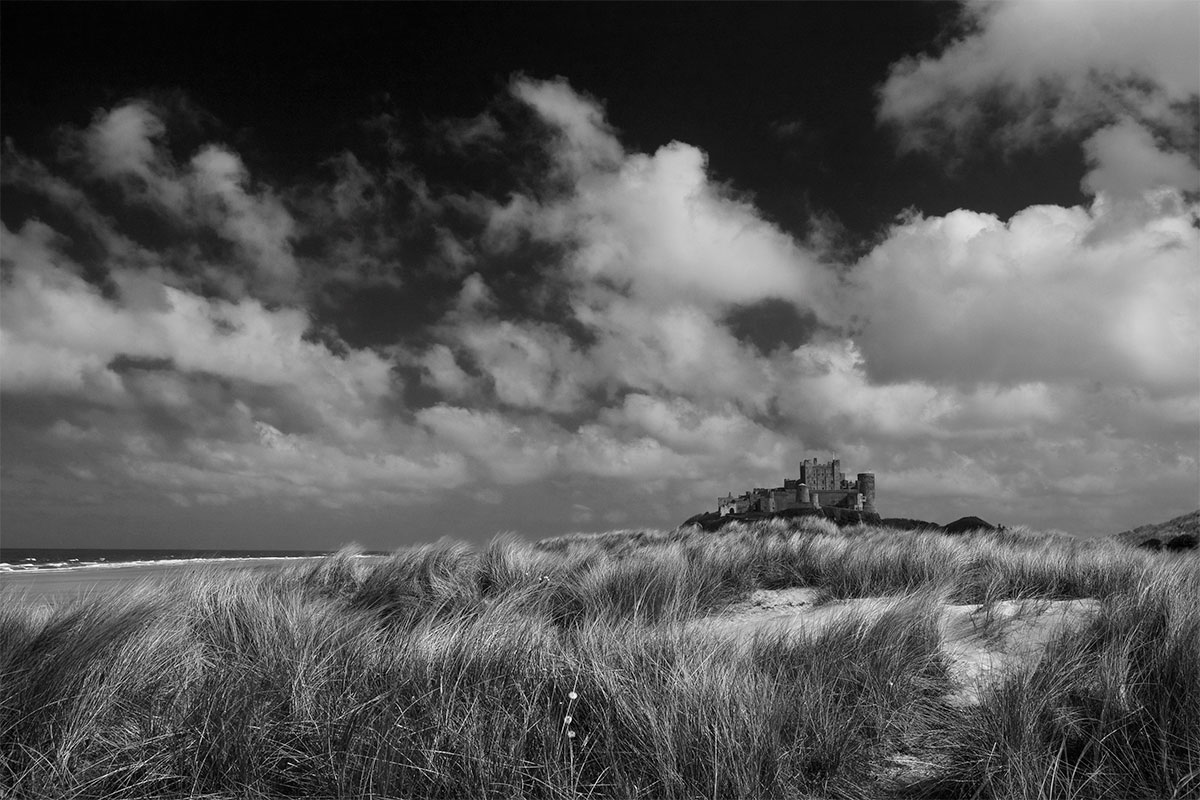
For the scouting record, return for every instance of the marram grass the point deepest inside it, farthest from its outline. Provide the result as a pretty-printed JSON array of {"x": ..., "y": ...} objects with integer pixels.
[{"x": 567, "y": 670}]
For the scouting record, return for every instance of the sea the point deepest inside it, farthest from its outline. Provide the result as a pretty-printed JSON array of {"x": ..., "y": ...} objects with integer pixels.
[{"x": 25, "y": 559}]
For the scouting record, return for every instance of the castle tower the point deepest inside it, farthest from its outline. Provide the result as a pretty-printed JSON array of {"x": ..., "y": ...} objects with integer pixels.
[
  {"x": 866, "y": 487},
  {"x": 802, "y": 495}
]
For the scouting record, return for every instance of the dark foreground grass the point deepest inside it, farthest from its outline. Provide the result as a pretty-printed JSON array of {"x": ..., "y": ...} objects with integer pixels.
[{"x": 566, "y": 670}]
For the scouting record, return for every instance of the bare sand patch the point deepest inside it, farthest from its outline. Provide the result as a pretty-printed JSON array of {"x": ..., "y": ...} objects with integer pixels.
[
  {"x": 984, "y": 644},
  {"x": 981, "y": 644}
]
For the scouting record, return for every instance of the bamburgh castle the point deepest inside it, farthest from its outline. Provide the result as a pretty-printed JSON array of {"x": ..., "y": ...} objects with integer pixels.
[{"x": 819, "y": 485}]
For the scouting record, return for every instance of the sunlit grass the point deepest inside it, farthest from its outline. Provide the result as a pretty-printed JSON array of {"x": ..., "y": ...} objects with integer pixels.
[{"x": 567, "y": 669}]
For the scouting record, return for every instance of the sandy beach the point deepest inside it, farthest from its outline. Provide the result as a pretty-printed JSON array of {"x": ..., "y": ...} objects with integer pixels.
[{"x": 52, "y": 586}]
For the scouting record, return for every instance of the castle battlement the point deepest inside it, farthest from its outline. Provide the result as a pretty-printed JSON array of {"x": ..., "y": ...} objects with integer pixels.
[{"x": 818, "y": 486}]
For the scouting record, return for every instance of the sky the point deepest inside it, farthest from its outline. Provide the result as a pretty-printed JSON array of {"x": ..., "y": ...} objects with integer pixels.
[{"x": 295, "y": 275}]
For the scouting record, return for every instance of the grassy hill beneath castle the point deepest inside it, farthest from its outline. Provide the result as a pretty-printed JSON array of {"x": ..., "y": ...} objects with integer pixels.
[
  {"x": 779, "y": 659},
  {"x": 1181, "y": 533}
]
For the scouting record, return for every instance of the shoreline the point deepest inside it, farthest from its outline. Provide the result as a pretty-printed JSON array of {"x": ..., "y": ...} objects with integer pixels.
[{"x": 62, "y": 584}]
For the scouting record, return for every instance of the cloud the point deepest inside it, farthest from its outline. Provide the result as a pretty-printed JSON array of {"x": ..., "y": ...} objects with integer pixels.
[
  {"x": 444, "y": 374},
  {"x": 581, "y": 514},
  {"x": 649, "y": 253},
  {"x": 1126, "y": 162},
  {"x": 49, "y": 308},
  {"x": 691, "y": 429},
  {"x": 354, "y": 227},
  {"x": 970, "y": 298},
  {"x": 596, "y": 451},
  {"x": 1049, "y": 67},
  {"x": 507, "y": 449},
  {"x": 462, "y": 135},
  {"x": 791, "y": 129},
  {"x": 276, "y": 467},
  {"x": 583, "y": 141},
  {"x": 676, "y": 349},
  {"x": 256, "y": 222},
  {"x": 154, "y": 383},
  {"x": 126, "y": 146},
  {"x": 594, "y": 360},
  {"x": 1072, "y": 331},
  {"x": 955, "y": 344},
  {"x": 656, "y": 225}
]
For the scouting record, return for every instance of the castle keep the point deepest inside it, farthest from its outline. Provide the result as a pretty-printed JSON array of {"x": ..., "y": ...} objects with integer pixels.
[{"x": 819, "y": 486}]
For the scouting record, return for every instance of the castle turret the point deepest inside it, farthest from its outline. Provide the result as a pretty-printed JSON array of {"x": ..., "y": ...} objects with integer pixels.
[
  {"x": 866, "y": 487},
  {"x": 802, "y": 495}
]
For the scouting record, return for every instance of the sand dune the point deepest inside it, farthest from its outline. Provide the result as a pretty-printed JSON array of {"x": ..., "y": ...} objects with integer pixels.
[{"x": 981, "y": 644}]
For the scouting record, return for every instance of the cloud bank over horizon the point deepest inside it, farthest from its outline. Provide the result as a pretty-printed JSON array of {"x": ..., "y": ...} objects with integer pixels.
[{"x": 176, "y": 325}]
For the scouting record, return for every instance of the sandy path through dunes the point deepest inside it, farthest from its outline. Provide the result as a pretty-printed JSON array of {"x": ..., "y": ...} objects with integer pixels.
[{"x": 981, "y": 644}]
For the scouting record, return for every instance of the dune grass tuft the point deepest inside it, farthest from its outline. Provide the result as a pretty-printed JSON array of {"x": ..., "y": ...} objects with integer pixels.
[{"x": 570, "y": 669}]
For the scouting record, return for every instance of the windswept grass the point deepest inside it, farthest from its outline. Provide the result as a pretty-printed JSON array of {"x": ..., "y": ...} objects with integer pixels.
[
  {"x": 1113, "y": 710},
  {"x": 568, "y": 669}
]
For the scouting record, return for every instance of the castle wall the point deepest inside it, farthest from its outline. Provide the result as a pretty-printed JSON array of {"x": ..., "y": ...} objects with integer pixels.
[
  {"x": 838, "y": 498},
  {"x": 866, "y": 486},
  {"x": 822, "y": 476},
  {"x": 760, "y": 500},
  {"x": 734, "y": 505},
  {"x": 783, "y": 499},
  {"x": 725, "y": 505},
  {"x": 819, "y": 485}
]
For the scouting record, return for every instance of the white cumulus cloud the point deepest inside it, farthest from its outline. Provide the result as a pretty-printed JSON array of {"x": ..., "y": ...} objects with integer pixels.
[{"x": 1052, "y": 66}]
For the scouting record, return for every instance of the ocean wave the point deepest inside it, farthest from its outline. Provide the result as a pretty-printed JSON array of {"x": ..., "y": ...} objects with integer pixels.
[{"x": 75, "y": 564}]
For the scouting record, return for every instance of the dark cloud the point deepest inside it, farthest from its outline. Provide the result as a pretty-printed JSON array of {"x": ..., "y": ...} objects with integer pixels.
[
  {"x": 791, "y": 129},
  {"x": 482, "y": 132}
]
